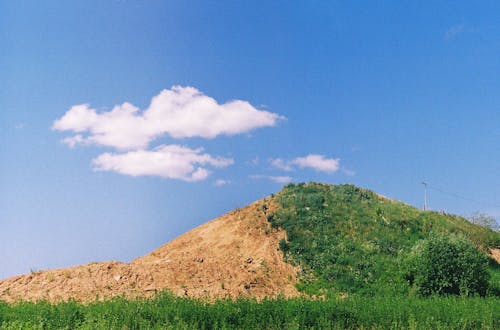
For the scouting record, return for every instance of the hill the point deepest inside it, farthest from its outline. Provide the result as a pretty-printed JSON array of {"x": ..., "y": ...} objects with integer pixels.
[
  {"x": 352, "y": 240},
  {"x": 234, "y": 255},
  {"x": 315, "y": 238}
]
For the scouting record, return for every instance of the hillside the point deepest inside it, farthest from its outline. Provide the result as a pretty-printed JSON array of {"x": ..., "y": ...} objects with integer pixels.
[
  {"x": 314, "y": 238},
  {"x": 236, "y": 254},
  {"x": 353, "y": 240}
]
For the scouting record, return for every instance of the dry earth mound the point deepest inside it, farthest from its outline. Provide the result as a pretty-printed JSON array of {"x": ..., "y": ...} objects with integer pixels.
[
  {"x": 236, "y": 254},
  {"x": 495, "y": 254}
]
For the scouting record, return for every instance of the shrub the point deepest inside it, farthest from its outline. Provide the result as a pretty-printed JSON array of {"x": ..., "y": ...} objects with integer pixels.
[
  {"x": 484, "y": 220},
  {"x": 448, "y": 265}
]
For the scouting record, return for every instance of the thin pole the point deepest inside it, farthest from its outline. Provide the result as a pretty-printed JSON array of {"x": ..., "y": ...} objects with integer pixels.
[{"x": 425, "y": 195}]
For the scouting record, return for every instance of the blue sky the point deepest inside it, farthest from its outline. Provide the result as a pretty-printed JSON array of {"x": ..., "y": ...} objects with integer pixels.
[{"x": 250, "y": 95}]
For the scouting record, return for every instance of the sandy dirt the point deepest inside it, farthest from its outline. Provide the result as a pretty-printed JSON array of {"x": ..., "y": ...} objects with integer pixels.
[
  {"x": 495, "y": 254},
  {"x": 236, "y": 254}
]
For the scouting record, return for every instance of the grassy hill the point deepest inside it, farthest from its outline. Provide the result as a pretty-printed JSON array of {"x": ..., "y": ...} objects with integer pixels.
[
  {"x": 348, "y": 239},
  {"x": 348, "y": 245},
  {"x": 341, "y": 240}
]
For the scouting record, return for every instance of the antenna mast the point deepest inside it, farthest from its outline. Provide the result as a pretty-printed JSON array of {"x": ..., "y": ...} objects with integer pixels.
[{"x": 425, "y": 195}]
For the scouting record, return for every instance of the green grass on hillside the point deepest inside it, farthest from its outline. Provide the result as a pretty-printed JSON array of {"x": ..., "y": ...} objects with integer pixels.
[
  {"x": 168, "y": 312},
  {"x": 349, "y": 239}
]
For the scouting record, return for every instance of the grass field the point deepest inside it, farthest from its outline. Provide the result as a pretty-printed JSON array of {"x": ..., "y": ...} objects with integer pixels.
[{"x": 168, "y": 312}]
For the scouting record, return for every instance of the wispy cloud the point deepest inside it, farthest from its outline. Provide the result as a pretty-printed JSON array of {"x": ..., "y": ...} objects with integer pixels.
[
  {"x": 454, "y": 31},
  {"x": 166, "y": 161},
  {"x": 180, "y": 112},
  {"x": 277, "y": 179},
  {"x": 317, "y": 162},
  {"x": 255, "y": 161},
  {"x": 281, "y": 164},
  {"x": 222, "y": 182},
  {"x": 347, "y": 171}
]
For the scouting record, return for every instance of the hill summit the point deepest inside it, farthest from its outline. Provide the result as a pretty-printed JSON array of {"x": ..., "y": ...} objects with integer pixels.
[{"x": 312, "y": 238}]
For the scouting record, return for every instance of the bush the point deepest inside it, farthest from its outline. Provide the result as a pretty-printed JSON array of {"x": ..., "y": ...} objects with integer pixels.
[
  {"x": 484, "y": 220},
  {"x": 448, "y": 265}
]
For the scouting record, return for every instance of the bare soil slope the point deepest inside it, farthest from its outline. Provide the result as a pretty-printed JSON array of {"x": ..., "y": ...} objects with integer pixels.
[
  {"x": 495, "y": 254},
  {"x": 236, "y": 254}
]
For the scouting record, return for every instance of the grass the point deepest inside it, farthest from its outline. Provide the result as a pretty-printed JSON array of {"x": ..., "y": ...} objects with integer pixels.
[
  {"x": 349, "y": 239},
  {"x": 168, "y": 312}
]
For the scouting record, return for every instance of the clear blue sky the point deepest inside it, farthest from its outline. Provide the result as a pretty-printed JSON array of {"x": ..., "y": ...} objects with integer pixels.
[{"x": 379, "y": 94}]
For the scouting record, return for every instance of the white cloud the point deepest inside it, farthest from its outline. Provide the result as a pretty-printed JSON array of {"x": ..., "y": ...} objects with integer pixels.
[
  {"x": 221, "y": 182},
  {"x": 74, "y": 140},
  {"x": 277, "y": 179},
  {"x": 180, "y": 112},
  {"x": 280, "y": 179},
  {"x": 167, "y": 161},
  {"x": 282, "y": 165},
  {"x": 317, "y": 162}
]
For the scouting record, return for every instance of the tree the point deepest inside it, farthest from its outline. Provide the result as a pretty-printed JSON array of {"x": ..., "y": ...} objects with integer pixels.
[
  {"x": 448, "y": 265},
  {"x": 484, "y": 220}
]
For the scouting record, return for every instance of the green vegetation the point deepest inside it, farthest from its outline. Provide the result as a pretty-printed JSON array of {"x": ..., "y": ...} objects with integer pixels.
[
  {"x": 348, "y": 239},
  {"x": 373, "y": 263},
  {"x": 448, "y": 265},
  {"x": 168, "y": 312}
]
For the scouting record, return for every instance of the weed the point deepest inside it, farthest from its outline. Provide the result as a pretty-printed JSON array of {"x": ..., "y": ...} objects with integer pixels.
[{"x": 164, "y": 311}]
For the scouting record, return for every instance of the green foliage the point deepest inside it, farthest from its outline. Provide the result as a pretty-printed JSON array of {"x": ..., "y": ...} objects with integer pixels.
[
  {"x": 494, "y": 287},
  {"x": 448, "y": 265},
  {"x": 168, "y": 312},
  {"x": 350, "y": 239}
]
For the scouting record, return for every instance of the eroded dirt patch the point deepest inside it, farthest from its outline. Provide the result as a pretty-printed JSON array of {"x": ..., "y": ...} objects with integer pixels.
[{"x": 236, "y": 254}]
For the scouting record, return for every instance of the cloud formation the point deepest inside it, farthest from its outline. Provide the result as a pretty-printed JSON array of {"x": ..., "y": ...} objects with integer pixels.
[
  {"x": 180, "y": 112},
  {"x": 277, "y": 179},
  {"x": 280, "y": 179},
  {"x": 222, "y": 182},
  {"x": 281, "y": 164},
  {"x": 317, "y": 162},
  {"x": 166, "y": 161}
]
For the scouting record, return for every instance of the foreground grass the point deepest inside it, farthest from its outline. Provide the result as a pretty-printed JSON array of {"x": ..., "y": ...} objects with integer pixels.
[{"x": 168, "y": 312}]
